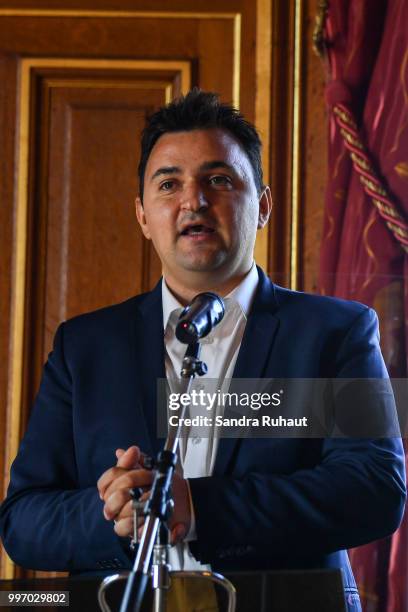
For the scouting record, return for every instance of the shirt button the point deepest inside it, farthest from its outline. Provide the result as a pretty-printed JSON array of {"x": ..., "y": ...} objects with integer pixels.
[{"x": 196, "y": 440}]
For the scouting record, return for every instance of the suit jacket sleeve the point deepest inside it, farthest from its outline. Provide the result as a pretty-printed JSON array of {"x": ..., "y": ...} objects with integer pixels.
[
  {"x": 47, "y": 522},
  {"x": 354, "y": 494}
]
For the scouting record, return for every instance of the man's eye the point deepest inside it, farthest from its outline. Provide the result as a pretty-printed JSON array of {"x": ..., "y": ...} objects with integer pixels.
[
  {"x": 220, "y": 179},
  {"x": 166, "y": 185}
]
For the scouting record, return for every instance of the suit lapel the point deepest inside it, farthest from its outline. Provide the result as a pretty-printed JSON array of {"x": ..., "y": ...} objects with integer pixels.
[
  {"x": 253, "y": 355},
  {"x": 149, "y": 353}
]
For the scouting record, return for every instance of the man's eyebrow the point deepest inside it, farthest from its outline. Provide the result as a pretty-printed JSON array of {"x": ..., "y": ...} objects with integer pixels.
[
  {"x": 166, "y": 170},
  {"x": 217, "y": 163}
]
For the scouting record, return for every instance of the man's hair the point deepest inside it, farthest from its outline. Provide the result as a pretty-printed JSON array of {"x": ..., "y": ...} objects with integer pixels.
[{"x": 201, "y": 110}]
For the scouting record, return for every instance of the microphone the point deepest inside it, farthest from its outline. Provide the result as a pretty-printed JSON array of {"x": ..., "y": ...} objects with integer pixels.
[{"x": 199, "y": 317}]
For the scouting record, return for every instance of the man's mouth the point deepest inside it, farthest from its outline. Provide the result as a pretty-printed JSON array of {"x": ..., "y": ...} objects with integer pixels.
[{"x": 197, "y": 229}]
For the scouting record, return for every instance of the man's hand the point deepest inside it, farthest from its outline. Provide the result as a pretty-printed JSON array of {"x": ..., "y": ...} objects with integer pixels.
[{"x": 114, "y": 489}]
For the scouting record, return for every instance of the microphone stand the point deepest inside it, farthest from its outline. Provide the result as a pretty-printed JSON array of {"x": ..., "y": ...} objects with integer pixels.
[
  {"x": 159, "y": 506},
  {"x": 155, "y": 540}
]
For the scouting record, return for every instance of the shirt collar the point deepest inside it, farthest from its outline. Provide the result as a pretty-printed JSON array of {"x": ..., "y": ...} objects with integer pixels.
[
  {"x": 243, "y": 295},
  {"x": 170, "y": 303}
]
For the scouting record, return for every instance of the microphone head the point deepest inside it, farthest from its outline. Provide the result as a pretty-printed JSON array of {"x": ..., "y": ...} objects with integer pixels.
[{"x": 198, "y": 318}]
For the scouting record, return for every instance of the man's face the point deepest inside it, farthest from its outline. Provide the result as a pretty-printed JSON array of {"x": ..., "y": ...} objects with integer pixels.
[{"x": 200, "y": 206}]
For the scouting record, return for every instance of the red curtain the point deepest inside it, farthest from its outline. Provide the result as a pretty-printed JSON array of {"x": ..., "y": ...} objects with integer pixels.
[{"x": 361, "y": 258}]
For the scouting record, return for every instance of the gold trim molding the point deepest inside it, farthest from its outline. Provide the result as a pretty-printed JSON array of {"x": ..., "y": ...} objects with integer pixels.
[
  {"x": 184, "y": 67},
  {"x": 22, "y": 12},
  {"x": 296, "y": 148},
  {"x": 263, "y": 109}
]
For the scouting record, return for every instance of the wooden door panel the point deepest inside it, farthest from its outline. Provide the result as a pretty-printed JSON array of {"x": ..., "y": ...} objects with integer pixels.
[
  {"x": 95, "y": 254},
  {"x": 204, "y": 40}
]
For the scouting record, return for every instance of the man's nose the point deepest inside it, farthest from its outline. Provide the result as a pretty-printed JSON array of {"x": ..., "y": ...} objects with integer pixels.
[{"x": 193, "y": 198}]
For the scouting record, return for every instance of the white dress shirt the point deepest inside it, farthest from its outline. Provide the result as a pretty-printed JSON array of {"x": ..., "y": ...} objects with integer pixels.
[{"x": 219, "y": 350}]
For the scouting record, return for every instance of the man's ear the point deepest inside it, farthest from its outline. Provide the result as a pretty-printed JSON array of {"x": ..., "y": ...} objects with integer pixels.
[
  {"x": 265, "y": 206},
  {"x": 141, "y": 217}
]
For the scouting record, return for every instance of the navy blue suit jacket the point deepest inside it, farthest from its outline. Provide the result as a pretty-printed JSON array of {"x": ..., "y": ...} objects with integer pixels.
[{"x": 271, "y": 503}]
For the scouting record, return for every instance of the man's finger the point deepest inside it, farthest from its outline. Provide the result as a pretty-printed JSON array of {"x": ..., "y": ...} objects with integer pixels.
[
  {"x": 130, "y": 479},
  {"x": 126, "y": 511},
  {"x": 145, "y": 496},
  {"x": 108, "y": 478},
  {"x": 178, "y": 533},
  {"x": 124, "y": 527},
  {"x": 128, "y": 459},
  {"x": 116, "y": 504}
]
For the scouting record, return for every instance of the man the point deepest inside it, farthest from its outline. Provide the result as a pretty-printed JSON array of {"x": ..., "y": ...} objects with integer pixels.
[{"x": 239, "y": 504}]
